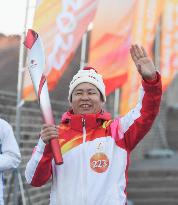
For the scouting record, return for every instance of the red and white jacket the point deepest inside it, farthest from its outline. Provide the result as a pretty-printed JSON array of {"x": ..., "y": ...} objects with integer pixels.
[{"x": 96, "y": 153}]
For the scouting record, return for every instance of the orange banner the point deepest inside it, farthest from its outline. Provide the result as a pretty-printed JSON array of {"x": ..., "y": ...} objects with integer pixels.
[
  {"x": 169, "y": 42},
  {"x": 146, "y": 19},
  {"x": 61, "y": 25},
  {"x": 110, "y": 41}
]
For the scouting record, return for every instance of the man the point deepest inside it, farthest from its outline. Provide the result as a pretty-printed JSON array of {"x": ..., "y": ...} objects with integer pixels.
[
  {"x": 9, "y": 152},
  {"x": 95, "y": 148}
]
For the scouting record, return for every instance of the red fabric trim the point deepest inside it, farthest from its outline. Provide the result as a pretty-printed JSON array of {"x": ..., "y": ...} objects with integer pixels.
[
  {"x": 44, "y": 169},
  {"x": 126, "y": 174},
  {"x": 154, "y": 80},
  {"x": 67, "y": 116}
]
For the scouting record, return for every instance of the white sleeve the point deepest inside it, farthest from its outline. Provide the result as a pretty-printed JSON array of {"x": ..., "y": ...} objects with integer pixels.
[{"x": 10, "y": 156}]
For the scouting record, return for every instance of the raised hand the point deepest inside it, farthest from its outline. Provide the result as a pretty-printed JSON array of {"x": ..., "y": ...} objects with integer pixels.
[{"x": 143, "y": 63}]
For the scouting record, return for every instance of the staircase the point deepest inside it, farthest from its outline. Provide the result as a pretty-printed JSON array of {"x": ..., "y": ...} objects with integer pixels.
[
  {"x": 30, "y": 126},
  {"x": 154, "y": 182}
]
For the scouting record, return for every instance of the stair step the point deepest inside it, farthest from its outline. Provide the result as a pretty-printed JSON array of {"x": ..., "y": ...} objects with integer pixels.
[
  {"x": 152, "y": 182},
  {"x": 155, "y": 201},
  {"x": 162, "y": 192}
]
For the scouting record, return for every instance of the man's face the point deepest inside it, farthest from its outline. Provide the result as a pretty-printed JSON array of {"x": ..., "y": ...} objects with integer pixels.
[{"x": 86, "y": 99}]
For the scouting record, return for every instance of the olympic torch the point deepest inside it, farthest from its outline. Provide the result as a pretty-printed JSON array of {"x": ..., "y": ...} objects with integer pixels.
[{"x": 36, "y": 66}]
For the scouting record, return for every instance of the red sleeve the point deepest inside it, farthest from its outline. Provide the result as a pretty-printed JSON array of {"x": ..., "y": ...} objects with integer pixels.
[
  {"x": 139, "y": 120},
  {"x": 39, "y": 168}
]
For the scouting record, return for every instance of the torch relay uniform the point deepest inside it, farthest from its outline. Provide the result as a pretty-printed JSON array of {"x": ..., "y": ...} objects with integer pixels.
[
  {"x": 96, "y": 151},
  {"x": 10, "y": 155}
]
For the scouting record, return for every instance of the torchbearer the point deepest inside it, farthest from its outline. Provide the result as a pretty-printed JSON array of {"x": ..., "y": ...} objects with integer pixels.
[{"x": 95, "y": 148}]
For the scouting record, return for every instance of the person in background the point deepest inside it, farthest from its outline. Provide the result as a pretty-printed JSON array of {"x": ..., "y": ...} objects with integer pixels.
[
  {"x": 9, "y": 152},
  {"x": 96, "y": 149}
]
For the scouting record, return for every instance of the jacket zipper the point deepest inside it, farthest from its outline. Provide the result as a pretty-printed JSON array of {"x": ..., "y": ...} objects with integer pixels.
[
  {"x": 84, "y": 130},
  {"x": 84, "y": 166}
]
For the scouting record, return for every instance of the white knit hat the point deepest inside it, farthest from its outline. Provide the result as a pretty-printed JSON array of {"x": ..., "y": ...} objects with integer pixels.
[{"x": 87, "y": 75}]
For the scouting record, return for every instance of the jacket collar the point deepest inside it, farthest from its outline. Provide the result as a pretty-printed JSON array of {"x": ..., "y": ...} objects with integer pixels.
[{"x": 90, "y": 121}]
